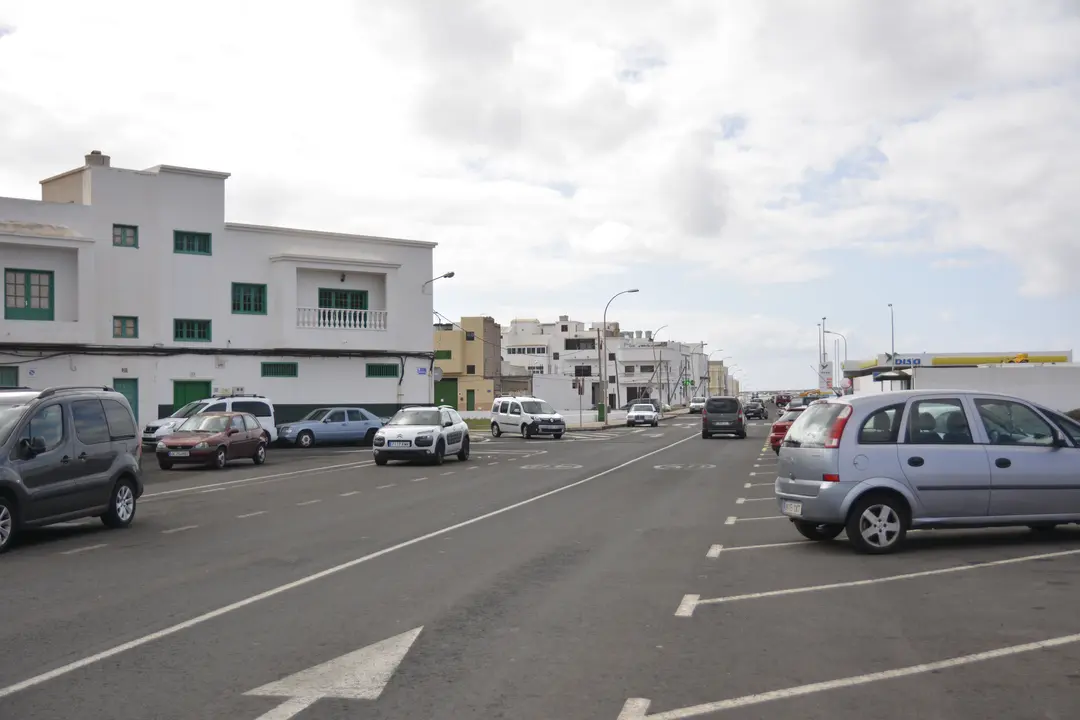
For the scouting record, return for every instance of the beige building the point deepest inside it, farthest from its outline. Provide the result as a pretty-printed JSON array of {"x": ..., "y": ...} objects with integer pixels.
[
  {"x": 469, "y": 354},
  {"x": 721, "y": 381}
]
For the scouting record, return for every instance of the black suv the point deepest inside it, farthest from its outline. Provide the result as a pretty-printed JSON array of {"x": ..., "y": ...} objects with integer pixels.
[{"x": 66, "y": 453}]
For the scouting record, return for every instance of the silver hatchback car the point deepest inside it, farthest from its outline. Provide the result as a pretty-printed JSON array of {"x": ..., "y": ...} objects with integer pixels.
[{"x": 878, "y": 465}]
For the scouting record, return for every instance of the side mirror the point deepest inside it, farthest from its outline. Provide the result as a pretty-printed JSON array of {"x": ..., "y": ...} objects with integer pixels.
[
  {"x": 448, "y": 423},
  {"x": 326, "y": 420},
  {"x": 1059, "y": 440},
  {"x": 37, "y": 445},
  {"x": 231, "y": 431}
]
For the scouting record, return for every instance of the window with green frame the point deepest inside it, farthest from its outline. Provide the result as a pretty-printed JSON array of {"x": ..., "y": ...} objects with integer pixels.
[
  {"x": 343, "y": 299},
  {"x": 248, "y": 299},
  {"x": 125, "y": 326},
  {"x": 185, "y": 330},
  {"x": 28, "y": 294},
  {"x": 9, "y": 376},
  {"x": 382, "y": 370},
  {"x": 280, "y": 369},
  {"x": 443, "y": 355},
  {"x": 125, "y": 236},
  {"x": 191, "y": 243}
]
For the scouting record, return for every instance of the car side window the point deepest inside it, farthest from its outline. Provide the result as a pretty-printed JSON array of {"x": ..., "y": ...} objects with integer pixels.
[
  {"x": 938, "y": 421},
  {"x": 91, "y": 426},
  {"x": 337, "y": 416},
  {"x": 1012, "y": 423},
  {"x": 216, "y": 407},
  {"x": 250, "y": 422},
  {"x": 1070, "y": 426},
  {"x": 121, "y": 426},
  {"x": 515, "y": 409},
  {"x": 882, "y": 427},
  {"x": 444, "y": 416},
  {"x": 255, "y": 407},
  {"x": 454, "y": 417},
  {"x": 48, "y": 424},
  {"x": 355, "y": 416}
]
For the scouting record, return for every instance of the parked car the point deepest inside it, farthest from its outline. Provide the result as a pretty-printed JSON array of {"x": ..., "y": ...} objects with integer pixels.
[
  {"x": 756, "y": 410},
  {"x": 330, "y": 425},
  {"x": 213, "y": 438},
  {"x": 67, "y": 453},
  {"x": 780, "y": 428},
  {"x": 423, "y": 432},
  {"x": 697, "y": 404},
  {"x": 258, "y": 405},
  {"x": 723, "y": 416},
  {"x": 643, "y": 414},
  {"x": 528, "y": 416},
  {"x": 879, "y": 465}
]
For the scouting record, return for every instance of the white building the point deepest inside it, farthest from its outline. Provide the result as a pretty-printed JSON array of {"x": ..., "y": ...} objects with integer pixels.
[
  {"x": 133, "y": 278},
  {"x": 637, "y": 366}
]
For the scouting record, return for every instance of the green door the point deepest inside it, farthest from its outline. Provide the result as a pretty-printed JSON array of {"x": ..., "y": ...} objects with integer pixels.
[
  {"x": 129, "y": 388},
  {"x": 470, "y": 399},
  {"x": 446, "y": 392},
  {"x": 185, "y": 391}
]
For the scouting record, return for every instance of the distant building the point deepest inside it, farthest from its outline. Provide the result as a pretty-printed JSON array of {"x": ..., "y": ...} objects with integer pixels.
[{"x": 473, "y": 373}]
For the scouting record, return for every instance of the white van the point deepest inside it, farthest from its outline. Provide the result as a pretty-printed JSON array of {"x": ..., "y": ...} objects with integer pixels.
[
  {"x": 527, "y": 416},
  {"x": 257, "y": 405}
]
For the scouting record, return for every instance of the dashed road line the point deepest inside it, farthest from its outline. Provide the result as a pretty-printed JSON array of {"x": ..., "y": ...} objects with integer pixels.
[
  {"x": 418, "y": 479},
  {"x": 251, "y": 514},
  {"x": 383, "y": 487},
  {"x": 308, "y": 502},
  {"x": 448, "y": 473},
  {"x": 179, "y": 529},
  {"x": 88, "y": 548},
  {"x": 350, "y": 493}
]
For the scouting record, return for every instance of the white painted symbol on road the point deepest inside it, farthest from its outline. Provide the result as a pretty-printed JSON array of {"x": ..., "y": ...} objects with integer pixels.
[
  {"x": 568, "y": 466},
  {"x": 692, "y": 466},
  {"x": 359, "y": 675}
]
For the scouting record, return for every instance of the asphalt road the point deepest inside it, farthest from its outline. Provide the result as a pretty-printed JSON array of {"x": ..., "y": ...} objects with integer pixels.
[{"x": 615, "y": 575}]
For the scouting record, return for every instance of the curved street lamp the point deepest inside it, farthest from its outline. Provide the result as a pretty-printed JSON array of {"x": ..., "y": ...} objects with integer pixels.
[
  {"x": 656, "y": 374},
  {"x": 603, "y": 356}
]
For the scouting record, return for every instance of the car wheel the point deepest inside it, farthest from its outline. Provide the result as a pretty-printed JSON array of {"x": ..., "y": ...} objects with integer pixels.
[
  {"x": 121, "y": 505},
  {"x": 496, "y": 431},
  {"x": 705, "y": 435},
  {"x": 260, "y": 454},
  {"x": 266, "y": 438},
  {"x": 221, "y": 459},
  {"x": 8, "y": 524},
  {"x": 440, "y": 452},
  {"x": 379, "y": 459},
  {"x": 525, "y": 432},
  {"x": 463, "y": 454},
  {"x": 742, "y": 435},
  {"x": 305, "y": 439},
  {"x": 817, "y": 531},
  {"x": 369, "y": 437},
  {"x": 656, "y": 423},
  {"x": 877, "y": 524},
  {"x": 165, "y": 464},
  {"x": 557, "y": 436}
]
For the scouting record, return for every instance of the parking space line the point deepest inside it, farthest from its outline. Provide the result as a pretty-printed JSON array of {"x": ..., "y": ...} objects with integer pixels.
[
  {"x": 732, "y": 520},
  {"x": 494, "y": 463},
  {"x": 761, "y": 547},
  {"x": 750, "y": 485},
  {"x": 350, "y": 493},
  {"x": 418, "y": 479},
  {"x": 714, "y": 551},
  {"x": 871, "y": 581},
  {"x": 308, "y": 502},
  {"x": 740, "y": 501},
  {"x": 179, "y": 529},
  {"x": 229, "y": 483},
  {"x": 449, "y": 473},
  {"x": 251, "y": 514},
  {"x": 88, "y": 548},
  {"x": 383, "y": 487},
  {"x": 635, "y": 708}
]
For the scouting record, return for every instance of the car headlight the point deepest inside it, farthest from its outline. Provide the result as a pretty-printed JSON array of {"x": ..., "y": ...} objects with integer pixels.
[
  {"x": 161, "y": 447},
  {"x": 424, "y": 439},
  {"x": 201, "y": 446}
]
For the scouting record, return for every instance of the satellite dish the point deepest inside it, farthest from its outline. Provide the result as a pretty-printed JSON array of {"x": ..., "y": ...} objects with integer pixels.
[{"x": 437, "y": 374}]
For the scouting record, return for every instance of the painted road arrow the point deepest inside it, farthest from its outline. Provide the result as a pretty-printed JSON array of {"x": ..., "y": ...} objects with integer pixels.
[{"x": 359, "y": 675}]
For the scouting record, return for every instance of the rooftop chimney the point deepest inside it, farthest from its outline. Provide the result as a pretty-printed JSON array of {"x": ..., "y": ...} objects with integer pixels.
[
  {"x": 638, "y": 334},
  {"x": 564, "y": 318},
  {"x": 96, "y": 158},
  {"x": 648, "y": 334}
]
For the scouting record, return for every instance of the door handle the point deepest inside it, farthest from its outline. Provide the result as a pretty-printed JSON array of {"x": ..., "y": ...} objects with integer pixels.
[
  {"x": 83, "y": 456},
  {"x": 65, "y": 460},
  {"x": 1003, "y": 462},
  {"x": 915, "y": 461}
]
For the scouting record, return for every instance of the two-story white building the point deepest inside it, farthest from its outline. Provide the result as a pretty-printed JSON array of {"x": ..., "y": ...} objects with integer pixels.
[
  {"x": 133, "y": 278},
  {"x": 637, "y": 365}
]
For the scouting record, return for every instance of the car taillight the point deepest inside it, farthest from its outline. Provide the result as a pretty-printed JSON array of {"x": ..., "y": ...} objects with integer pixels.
[
  {"x": 832, "y": 440},
  {"x": 830, "y": 477}
]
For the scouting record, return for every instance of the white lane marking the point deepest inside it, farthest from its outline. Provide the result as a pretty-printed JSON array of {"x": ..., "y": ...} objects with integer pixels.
[
  {"x": 203, "y": 492},
  {"x": 251, "y": 514},
  {"x": 751, "y": 519},
  {"x": 149, "y": 497},
  {"x": 635, "y": 708},
  {"x": 474, "y": 467},
  {"x": 383, "y": 487},
  {"x": 448, "y": 473},
  {"x": 740, "y": 501},
  {"x": 766, "y": 545},
  {"x": 714, "y": 551},
  {"x": 731, "y": 520},
  {"x": 887, "y": 578},
  {"x": 179, "y": 529},
  {"x": 494, "y": 463},
  {"x": 88, "y": 548},
  {"x": 350, "y": 493},
  {"x": 308, "y": 502},
  {"x": 686, "y": 607},
  {"x": 418, "y": 479},
  {"x": 335, "y": 570},
  {"x": 749, "y": 485}
]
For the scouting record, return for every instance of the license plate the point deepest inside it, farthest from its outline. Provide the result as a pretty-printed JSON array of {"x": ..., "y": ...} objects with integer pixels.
[
  {"x": 179, "y": 453},
  {"x": 552, "y": 427},
  {"x": 791, "y": 507},
  {"x": 400, "y": 443},
  {"x": 721, "y": 423}
]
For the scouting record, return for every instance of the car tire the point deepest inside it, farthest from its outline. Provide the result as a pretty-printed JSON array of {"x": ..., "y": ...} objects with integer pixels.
[
  {"x": 705, "y": 435},
  {"x": 122, "y": 505},
  {"x": 742, "y": 435},
  {"x": 306, "y": 439},
  {"x": 440, "y": 453},
  {"x": 817, "y": 531},
  {"x": 380, "y": 460},
  {"x": 656, "y": 423},
  {"x": 165, "y": 464},
  {"x": 889, "y": 506},
  {"x": 369, "y": 437},
  {"x": 260, "y": 454},
  {"x": 496, "y": 431},
  {"x": 463, "y": 454},
  {"x": 266, "y": 438},
  {"x": 221, "y": 459},
  {"x": 525, "y": 433},
  {"x": 557, "y": 436},
  {"x": 9, "y": 522}
]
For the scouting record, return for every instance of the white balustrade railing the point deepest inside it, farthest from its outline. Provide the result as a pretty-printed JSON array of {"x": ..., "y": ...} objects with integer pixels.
[{"x": 335, "y": 319}]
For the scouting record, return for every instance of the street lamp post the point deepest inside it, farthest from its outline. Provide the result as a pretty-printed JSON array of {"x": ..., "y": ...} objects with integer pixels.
[
  {"x": 656, "y": 367},
  {"x": 892, "y": 333},
  {"x": 431, "y": 365},
  {"x": 603, "y": 357},
  {"x": 841, "y": 336}
]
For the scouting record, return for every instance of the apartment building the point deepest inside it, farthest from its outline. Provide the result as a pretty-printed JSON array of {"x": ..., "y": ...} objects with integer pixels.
[
  {"x": 468, "y": 356},
  {"x": 133, "y": 278}
]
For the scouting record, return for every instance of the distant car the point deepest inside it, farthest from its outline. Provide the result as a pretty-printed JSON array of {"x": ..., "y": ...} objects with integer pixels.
[
  {"x": 875, "y": 466},
  {"x": 213, "y": 439},
  {"x": 780, "y": 428},
  {"x": 330, "y": 425},
  {"x": 528, "y": 416},
  {"x": 723, "y": 416},
  {"x": 423, "y": 432},
  {"x": 756, "y": 409},
  {"x": 697, "y": 404},
  {"x": 642, "y": 414}
]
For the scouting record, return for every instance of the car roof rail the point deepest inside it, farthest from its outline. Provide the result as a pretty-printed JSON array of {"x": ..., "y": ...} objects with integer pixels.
[
  {"x": 50, "y": 391},
  {"x": 226, "y": 396}
]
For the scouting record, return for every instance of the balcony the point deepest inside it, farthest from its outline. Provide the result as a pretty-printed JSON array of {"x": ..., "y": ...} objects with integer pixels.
[{"x": 336, "y": 319}]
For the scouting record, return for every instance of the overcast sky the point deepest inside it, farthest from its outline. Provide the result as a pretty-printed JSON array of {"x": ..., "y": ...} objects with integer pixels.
[{"x": 750, "y": 166}]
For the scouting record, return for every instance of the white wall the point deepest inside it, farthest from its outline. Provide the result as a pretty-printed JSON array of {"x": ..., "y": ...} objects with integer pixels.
[
  {"x": 1055, "y": 386},
  {"x": 559, "y": 392}
]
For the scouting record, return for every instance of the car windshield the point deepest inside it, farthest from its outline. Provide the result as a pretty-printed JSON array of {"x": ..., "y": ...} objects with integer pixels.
[
  {"x": 642, "y": 408},
  {"x": 205, "y": 423},
  {"x": 416, "y": 417},
  {"x": 537, "y": 407},
  {"x": 697, "y": 400},
  {"x": 192, "y": 408},
  {"x": 317, "y": 414},
  {"x": 9, "y": 418}
]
